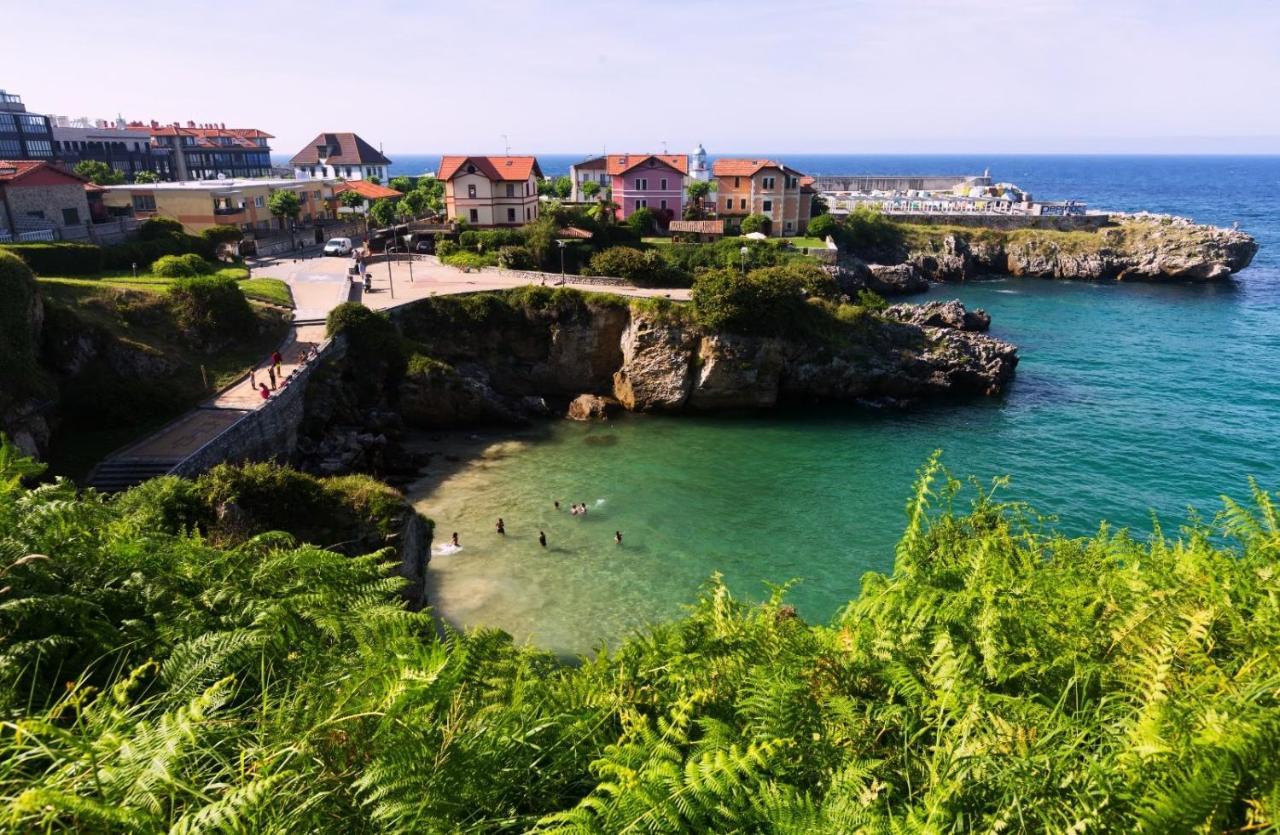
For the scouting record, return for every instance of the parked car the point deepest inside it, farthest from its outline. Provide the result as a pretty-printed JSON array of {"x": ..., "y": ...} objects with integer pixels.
[
  {"x": 338, "y": 246},
  {"x": 425, "y": 246}
]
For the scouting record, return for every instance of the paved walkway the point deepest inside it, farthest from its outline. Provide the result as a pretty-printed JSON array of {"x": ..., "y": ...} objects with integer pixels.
[{"x": 318, "y": 285}]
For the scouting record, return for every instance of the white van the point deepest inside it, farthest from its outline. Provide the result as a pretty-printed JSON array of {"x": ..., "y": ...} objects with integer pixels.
[{"x": 338, "y": 246}]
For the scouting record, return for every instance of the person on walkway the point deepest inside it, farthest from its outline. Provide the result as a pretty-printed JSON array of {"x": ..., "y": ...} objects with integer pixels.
[
  {"x": 500, "y": 527},
  {"x": 253, "y": 379},
  {"x": 542, "y": 539},
  {"x": 262, "y": 391},
  {"x": 271, "y": 372},
  {"x": 276, "y": 360},
  {"x": 617, "y": 537}
]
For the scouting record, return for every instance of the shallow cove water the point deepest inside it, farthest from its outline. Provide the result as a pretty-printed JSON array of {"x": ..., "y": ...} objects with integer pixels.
[{"x": 1130, "y": 399}]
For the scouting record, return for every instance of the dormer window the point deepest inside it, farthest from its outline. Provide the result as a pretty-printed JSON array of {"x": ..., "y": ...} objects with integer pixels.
[{"x": 471, "y": 169}]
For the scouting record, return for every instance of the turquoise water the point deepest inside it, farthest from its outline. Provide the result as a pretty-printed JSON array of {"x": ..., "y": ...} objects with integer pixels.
[{"x": 1130, "y": 400}]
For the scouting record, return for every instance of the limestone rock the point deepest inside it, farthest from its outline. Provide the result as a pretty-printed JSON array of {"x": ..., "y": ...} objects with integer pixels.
[
  {"x": 656, "y": 372},
  {"x": 938, "y": 314},
  {"x": 591, "y": 407},
  {"x": 736, "y": 372}
]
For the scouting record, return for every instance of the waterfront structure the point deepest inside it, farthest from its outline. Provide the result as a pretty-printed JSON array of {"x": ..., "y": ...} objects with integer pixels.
[
  {"x": 40, "y": 201},
  {"x": 591, "y": 169},
  {"x": 127, "y": 150},
  {"x": 763, "y": 187},
  {"x": 653, "y": 181},
  {"x": 199, "y": 204},
  {"x": 209, "y": 151},
  {"x": 23, "y": 135},
  {"x": 490, "y": 190},
  {"x": 343, "y": 155}
]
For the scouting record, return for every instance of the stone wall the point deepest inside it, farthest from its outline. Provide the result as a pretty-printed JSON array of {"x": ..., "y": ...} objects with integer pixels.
[{"x": 1058, "y": 223}]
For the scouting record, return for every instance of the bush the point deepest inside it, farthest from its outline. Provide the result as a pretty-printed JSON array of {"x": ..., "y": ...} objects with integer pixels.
[
  {"x": 181, "y": 266},
  {"x": 763, "y": 302},
  {"x": 210, "y": 310},
  {"x": 222, "y": 234},
  {"x": 369, "y": 333},
  {"x": 644, "y": 268},
  {"x": 489, "y": 240},
  {"x": 445, "y": 247},
  {"x": 514, "y": 258},
  {"x": 19, "y": 372},
  {"x": 755, "y": 223},
  {"x": 469, "y": 260},
  {"x": 641, "y": 222},
  {"x": 144, "y": 252},
  {"x": 823, "y": 226},
  {"x": 59, "y": 259},
  {"x": 155, "y": 228}
]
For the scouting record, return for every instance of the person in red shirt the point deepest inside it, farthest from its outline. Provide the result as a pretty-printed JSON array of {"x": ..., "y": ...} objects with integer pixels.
[{"x": 263, "y": 391}]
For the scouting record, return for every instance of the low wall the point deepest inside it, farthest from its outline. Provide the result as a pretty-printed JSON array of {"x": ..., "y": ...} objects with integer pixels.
[
  {"x": 1059, "y": 223},
  {"x": 269, "y": 431}
]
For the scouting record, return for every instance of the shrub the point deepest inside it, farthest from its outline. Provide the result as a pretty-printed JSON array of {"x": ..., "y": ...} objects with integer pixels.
[
  {"x": 644, "y": 268},
  {"x": 144, "y": 252},
  {"x": 871, "y": 300},
  {"x": 867, "y": 230},
  {"x": 221, "y": 234},
  {"x": 641, "y": 222},
  {"x": 445, "y": 247},
  {"x": 59, "y": 259},
  {"x": 823, "y": 226},
  {"x": 210, "y": 310},
  {"x": 369, "y": 333},
  {"x": 154, "y": 228},
  {"x": 469, "y": 260},
  {"x": 181, "y": 266},
  {"x": 514, "y": 258},
  {"x": 19, "y": 372},
  {"x": 763, "y": 302},
  {"x": 755, "y": 223}
]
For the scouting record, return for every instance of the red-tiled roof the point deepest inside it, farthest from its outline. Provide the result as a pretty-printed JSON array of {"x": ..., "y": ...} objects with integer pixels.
[
  {"x": 702, "y": 227},
  {"x": 493, "y": 168},
  {"x": 343, "y": 149},
  {"x": 13, "y": 170},
  {"x": 366, "y": 189},
  {"x": 205, "y": 134},
  {"x": 741, "y": 167},
  {"x": 622, "y": 163},
  {"x": 573, "y": 232}
]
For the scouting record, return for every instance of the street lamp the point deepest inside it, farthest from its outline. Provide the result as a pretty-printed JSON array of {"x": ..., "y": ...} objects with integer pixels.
[
  {"x": 562, "y": 242},
  {"x": 744, "y": 252},
  {"x": 408, "y": 238},
  {"x": 390, "y": 283}
]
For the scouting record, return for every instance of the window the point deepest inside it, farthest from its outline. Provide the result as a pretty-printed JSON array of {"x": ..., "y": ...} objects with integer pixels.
[
  {"x": 33, "y": 124},
  {"x": 728, "y": 202},
  {"x": 471, "y": 169},
  {"x": 767, "y": 183},
  {"x": 767, "y": 205},
  {"x": 511, "y": 215},
  {"x": 144, "y": 203},
  {"x": 662, "y": 204},
  {"x": 528, "y": 214},
  {"x": 475, "y": 216},
  {"x": 10, "y": 148},
  {"x": 788, "y": 226},
  {"x": 792, "y": 182},
  {"x": 348, "y": 172},
  {"x": 663, "y": 184},
  {"x": 39, "y": 148},
  {"x": 38, "y": 213},
  {"x": 743, "y": 201},
  {"x": 6, "y": 122},
  {"x": 70, "y": 217},
  {"x": 511, "y": 191},
  {"x": 642, "y": 204},
  {"x": 471, "y": 190},
  {"x": 737, "y": 182},
  {"x": 642, "y": 184},
  {"x": 258, "y": 202}
]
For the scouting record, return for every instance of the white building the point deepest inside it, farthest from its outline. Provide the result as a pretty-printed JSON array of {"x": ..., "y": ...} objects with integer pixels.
[{"x": 343, "y": 155}]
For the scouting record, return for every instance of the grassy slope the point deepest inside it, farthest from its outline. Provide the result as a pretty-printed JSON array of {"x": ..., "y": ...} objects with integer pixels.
[{"x": 132, "y": 312}]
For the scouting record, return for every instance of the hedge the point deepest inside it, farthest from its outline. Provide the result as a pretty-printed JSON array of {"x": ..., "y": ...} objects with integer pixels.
[
  {"x": 68, "y": 258},
  {"x": 59, "y": 258}
]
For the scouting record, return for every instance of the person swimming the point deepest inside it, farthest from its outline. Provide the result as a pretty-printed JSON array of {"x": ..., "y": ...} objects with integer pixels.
[
  {"x": 583, "y": 511},
  {"x": 500, "y": 527},
  {"x": 542, "y": 539},
  {"x": 557, "y": 505},
  {"x": 617, "y": 537}
]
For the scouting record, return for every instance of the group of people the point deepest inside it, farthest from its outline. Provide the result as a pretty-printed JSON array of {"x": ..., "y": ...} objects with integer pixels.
[
  {"x": 500, "y": 527},
  {"x": 275, "y": 372}
]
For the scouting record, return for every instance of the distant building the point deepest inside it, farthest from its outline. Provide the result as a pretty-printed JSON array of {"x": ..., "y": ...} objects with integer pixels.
[
  {"x": 23, "y": 135},
  {"x": 765, "y": 187},
  {"x": 209, "y": 151},
  {"x": 198, "y": 205},
  {"x": 653, "y": 181},
  {"x": 39, "y": 200},
  {"x": 367, "y": 190},
  {"x": 127, "y": 150},
  {"x": 490, "y": 191},
  {"x": 343, "y": 155},
  {"x": 698, "y": 168},
  {"x": 590, "y": 170}
]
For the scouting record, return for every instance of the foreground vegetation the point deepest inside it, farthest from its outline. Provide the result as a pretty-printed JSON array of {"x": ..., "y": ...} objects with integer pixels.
[{"x": 1002, "y": 678}]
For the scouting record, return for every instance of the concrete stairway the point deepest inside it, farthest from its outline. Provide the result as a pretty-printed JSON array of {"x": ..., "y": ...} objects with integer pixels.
[{"x": 117, "y": 474}]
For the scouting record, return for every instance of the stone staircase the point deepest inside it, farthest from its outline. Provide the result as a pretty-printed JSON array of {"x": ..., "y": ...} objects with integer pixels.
[{"x": 117, "y": 474}]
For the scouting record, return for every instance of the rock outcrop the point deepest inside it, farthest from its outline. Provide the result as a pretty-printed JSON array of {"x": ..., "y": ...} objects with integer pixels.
[
  {"x": 951, "y": 314},
  {"x": 1134, "y": 249},
  {"x": 853, "y": 275},
  {"x": 591, "y": 407}
]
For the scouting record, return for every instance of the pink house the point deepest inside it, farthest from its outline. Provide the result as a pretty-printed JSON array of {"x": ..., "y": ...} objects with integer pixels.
[{"x": 653, "y": 181}]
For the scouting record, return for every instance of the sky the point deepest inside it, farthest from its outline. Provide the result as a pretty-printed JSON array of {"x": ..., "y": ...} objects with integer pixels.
[{"x": 556, "y": 76}]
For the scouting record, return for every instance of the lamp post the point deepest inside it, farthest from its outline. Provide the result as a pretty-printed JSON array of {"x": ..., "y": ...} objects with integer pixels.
[
  {"x": 744, "y": 252},
  {"x": 390, "y": 282},
  {"x": 562, "y": 242},
  {"x": 408, "y": 238}
]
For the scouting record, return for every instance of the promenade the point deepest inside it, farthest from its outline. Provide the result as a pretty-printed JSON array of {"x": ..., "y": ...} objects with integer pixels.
[{"x": 318, "y": 284}]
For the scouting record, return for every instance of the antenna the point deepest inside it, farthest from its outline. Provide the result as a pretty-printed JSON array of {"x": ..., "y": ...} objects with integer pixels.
[
  {"x": 506, "y": 144},
  {"x": 664, "y": 146}
]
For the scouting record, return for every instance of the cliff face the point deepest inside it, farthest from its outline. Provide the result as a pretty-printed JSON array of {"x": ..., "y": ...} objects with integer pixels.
[
  {"x": 506, "y": 367},
  {"x": 1135, "y": 249}
]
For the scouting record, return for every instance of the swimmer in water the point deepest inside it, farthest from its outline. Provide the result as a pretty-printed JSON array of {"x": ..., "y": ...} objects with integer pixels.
[
  {"x": 542, "y": 539},
  {"x": 501, "y": 528},
  {"x": 617, "y": 537},
  {"x": 557, "y": 505},
  {"x": 584, "y": 508},
  {"x": 455, "y": 540}
]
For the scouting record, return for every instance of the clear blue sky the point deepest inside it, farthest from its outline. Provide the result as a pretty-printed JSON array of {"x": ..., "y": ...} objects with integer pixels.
[{"x": 876, "y": 76}]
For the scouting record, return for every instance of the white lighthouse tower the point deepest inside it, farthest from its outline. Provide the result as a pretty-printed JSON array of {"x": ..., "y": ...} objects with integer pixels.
[{"x": 698, "y": 168}]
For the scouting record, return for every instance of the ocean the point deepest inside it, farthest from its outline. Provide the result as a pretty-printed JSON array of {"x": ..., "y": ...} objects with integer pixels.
[{"x": 1132, "y": 402}]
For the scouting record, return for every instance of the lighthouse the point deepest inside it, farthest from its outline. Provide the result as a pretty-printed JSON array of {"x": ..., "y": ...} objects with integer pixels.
[{"x": 698, "y": 168}]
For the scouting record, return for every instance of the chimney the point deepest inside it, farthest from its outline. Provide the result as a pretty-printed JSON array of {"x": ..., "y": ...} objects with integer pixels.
[
  {"x": 155, "y": 124},
  {"x": 190, "y": 124},
  {"x": 223, "y": 126}
]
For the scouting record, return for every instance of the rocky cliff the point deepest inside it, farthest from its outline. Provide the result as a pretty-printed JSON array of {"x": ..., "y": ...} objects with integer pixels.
[{"x": 1133, "y": 249}]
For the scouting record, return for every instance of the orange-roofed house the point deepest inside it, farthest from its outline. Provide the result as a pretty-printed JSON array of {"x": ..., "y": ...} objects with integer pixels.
[
  {"x": 39, "y": 201},
  {"x": 490, "y": 191},
  {"x": 207, "y": 151},
  {"x": 765, "y": 187},
  {"x": 652, "y": 181}
]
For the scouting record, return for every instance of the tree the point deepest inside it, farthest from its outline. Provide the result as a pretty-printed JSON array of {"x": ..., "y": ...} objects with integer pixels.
[
  {"x": 351, "y": 199},
  {"x": 284, "y": 204},
  {"x": 590, "y": 189},
  {"x": 641, "y": 222},
  {"x": 698, "y": 190},
  {"x": 146, "y": 177},
  {"x": 823, "y": 226},
  {"x": 818, "y": 206},
  {"x": 402, "y": 184},
  {"x": 377, "y": 181},
  {"x": 404, "y": 210},
  {"x": 562, "y": 187},
  {"x": 755, "y": 223},
  {"x": 99, "y": 173},
  {"x": 418, "y": 200},
  {"x": 382, "y": 213},
  {"x": 546, "y": 187},
  {"x": 434, "y": 191}
]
